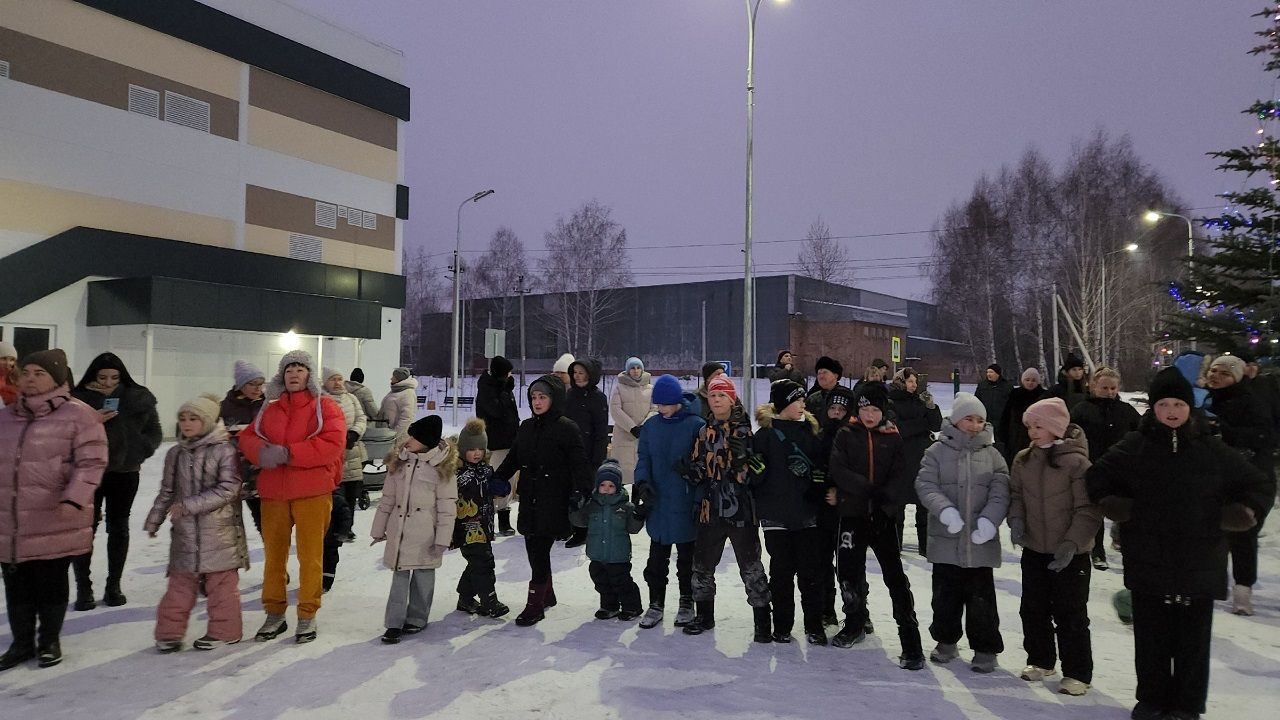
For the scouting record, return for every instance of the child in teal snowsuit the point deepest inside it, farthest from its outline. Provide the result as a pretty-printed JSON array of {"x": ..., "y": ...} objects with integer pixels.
[{"x": 610, "y": 519}]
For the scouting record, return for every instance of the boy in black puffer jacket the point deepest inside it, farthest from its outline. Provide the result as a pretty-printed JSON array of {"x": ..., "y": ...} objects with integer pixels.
[
  {"x": 840, "y": 404},
  {"x": 1177, "y": 489},
  {"x": 871, "y": 492},
  {"x": 787, "y": 494}
]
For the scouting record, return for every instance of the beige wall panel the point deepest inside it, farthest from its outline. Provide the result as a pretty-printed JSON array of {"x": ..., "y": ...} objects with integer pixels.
[
  {"x": 49, "y": 211},
  {"x": 336, "y": 252},
  {"x": 82, "y": 28},
  {"x": 368, "y": 258},
  {"x": 267, "y": 241},
  {"x": 295, "y": 213},
  {"x": 271, "y": 241},
  {"x": 293, "y": 137},
  {"x": 316, "y": 107},
  {"x": 54, "y": 67}
]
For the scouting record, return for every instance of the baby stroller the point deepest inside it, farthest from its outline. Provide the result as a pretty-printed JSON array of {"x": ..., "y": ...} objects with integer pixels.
[{"x": 378, "y": 440}]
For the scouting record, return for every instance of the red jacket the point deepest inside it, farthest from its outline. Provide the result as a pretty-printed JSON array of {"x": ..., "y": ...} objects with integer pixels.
[
  {"x": 316, "y": 442},
  {"x": 52, "y": 449}
]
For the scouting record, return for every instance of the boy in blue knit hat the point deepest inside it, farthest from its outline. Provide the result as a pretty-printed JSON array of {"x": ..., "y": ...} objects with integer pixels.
[{"x": 611, "y": 520}]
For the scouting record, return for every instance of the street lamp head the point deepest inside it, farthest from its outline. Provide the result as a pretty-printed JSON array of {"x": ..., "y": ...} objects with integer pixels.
[
  {"x": 1131, "y": 247},
  {"x": 1152, "y": 216},
  {"x": 482, "y": 193}
]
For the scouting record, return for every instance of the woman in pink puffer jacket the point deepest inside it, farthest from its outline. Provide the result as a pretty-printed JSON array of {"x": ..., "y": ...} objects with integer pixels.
[{"x": 53, "y": 451}]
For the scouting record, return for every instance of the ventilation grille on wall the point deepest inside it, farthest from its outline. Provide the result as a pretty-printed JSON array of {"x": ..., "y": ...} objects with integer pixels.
[
  {"x": 370, "y": 221},
  {"x": 144, "y": 101},
  {"x": 305, "y": 247},
  {"x": 4, "y": 68},
  {"x": 186, "y": 111},
  {"x": 326, "y": 215}
]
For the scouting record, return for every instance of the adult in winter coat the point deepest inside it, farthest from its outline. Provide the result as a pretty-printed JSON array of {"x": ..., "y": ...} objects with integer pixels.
[
  {"x": 238, "y": 410},
  {"x": 1010, "y": 427},
  {"x": 552, "y": 463},
  {"x": 917, "y": 418},
  {"x": 827, "y": 372},
  {"x": 993, "y": 390},
  {"x": 787, "y": 494},
  {"x": 629, "y": 406},
  {"x": 1244, "y": 423},
  {"x": 588, "y": 408},
  {"x": 200, "y": 494},
  {"x": 1105, "y": 419},
  {"x": 298, "y": 440},
  {"x": 1263, "y": 385},
  {"x": 666, "y": 499},
  {"x": 964, "y": 482},
  {"x": 1052, "y": 518},
  {"x": 1073, "y": 382},
  {"x": 415, "y": 517},
  {"x": 351, "y": 483},
  {"x": 8, "y": 374},
  {"x": 53, "y": 449},
  {"x": 128, "y": 412},
  {"x": 496, "y": 405},
  {"x": 1176, "y": 489},
  {"x": 400, "y": 405},
  {"x": 726, "y": 510},
  {"x": 785, "y": 369},
  {"x": 356, "y": 386},
  {"x": 870, "y": 491}
]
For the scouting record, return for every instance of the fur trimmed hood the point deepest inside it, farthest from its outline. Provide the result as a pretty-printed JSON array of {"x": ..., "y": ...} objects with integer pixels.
[{"x": 765, "y": 415}]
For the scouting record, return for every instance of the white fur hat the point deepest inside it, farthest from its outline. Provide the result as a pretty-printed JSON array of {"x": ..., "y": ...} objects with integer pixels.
[{"x": 562, "y": 365}]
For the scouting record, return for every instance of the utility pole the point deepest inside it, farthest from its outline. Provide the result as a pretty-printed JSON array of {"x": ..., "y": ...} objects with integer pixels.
[{"x": 520, "y": 289}]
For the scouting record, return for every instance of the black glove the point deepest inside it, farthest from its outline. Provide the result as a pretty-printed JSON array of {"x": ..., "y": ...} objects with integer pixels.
[
  {"x": 353, "y": 437},
  {"x": 683, "y": 467},
  {"x": 635, "y": 431},
  {"x": 643, "y": 492},
  {"x": 577, "y": 501},
  {"x": 641, "y": 510},
  {"x": 738, "y": 447}
]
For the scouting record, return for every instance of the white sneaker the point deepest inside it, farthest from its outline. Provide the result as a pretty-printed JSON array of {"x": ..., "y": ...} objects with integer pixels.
[
  {"x": 1242, "y": 600},
  {"x": 1071, "y": 686},
  {"x": 271, "y": 628},
  {"x": 168, "y": 646},
  {"x": 1032, "y": 673}
]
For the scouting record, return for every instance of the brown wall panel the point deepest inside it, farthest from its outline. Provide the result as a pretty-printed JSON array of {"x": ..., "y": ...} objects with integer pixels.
[
  {"x": 301, "y": 102},
  {"x": 71, "y": 72},
  {"x": 295, "y": 213}
]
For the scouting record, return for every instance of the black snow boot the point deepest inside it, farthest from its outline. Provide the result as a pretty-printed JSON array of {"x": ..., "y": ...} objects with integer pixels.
[
  {"x": 84, "y": 584},
  {"x": 504, "y": 523},
  {"x": 704, "y": 618},
  {"x": 763, "y": 619}
]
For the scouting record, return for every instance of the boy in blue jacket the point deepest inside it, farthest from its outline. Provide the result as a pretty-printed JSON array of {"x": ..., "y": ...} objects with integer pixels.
[
  {"x": 665, "y": 499},
  {"x": 611, "y": 520}
]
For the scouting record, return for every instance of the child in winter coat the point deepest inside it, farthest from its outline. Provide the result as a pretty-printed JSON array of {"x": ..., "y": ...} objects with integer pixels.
[
  {"x": 964, "y": 482},
  {"x": 200, "y": 494},
  {"x": 610, "y": 520},
  {"x": 725, "y": 510},
  {"x": 871, "y": 491},
  {"x": 1051, "y": 517},
  {"x": 415, "y": 517},
  {"x": 473, "y": 529},
  {"x": 1104, "y": 418},
  {"x": 787, "y": 495},
  {"x": 1176, "y": 489},
  {"x": 840, "y": 404},
  {"x": 665, "y": 500}
]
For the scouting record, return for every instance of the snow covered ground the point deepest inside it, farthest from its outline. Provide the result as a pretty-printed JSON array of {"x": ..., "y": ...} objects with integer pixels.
[{"x": 572, "y": 666}]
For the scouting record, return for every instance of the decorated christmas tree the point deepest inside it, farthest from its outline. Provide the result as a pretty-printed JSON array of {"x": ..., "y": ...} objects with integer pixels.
[{"x": 1229, "y": 300}]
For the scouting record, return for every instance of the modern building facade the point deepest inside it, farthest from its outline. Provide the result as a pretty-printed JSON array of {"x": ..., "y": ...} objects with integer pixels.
[
  {"x": 187, "y": 183},
  {"x": 675, "y": 328}
]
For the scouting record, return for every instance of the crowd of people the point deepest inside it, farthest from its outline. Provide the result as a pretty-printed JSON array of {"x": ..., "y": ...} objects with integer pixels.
[{"x": 823, "y": 475}]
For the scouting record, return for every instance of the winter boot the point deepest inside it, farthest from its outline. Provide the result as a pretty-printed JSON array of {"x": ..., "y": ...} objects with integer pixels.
[
  {"x": 306, "y": 631},
  {"x": 392, "y": 636},
  {"x": 848, "y": 636},
  {"x": 944, "y": 653},
  {"x": 704, "y": 618},
  {"x": 628, "y": 615},
  {"x": 167, "y": 647},
  {"x": 1242, "y": 600},
  {"x": 1147, "y": 711},
  {"x": 763, "y": 623},
  {"x": 22, "y": 620},
  {"x": 468, "y": 605},
  {"x": 829, "y": 616},
  {"x": 16, "y": 655},
  {"x": 49, "y": 654},
  {"x": 912, "y": 660},
  {"x": 208, "y": 642},
  {"x": 1073, "y": 687},
  {"x": 492, "y": 607},
  {"x": 605, "y": 614},
  {"x": 412, "y": 629},
  {"x": 550, "y": 599},
  {"x": 783, "y": 621},
  {"x": 652, "y": 617},
  {"x": 1032, "y": 673},
  {"x": 84, "y": 584},
  {"x": 504, "y": 523},
  {"x": 272, "y": 628},
  {"x": 983, "y": 663},
  {"x": 814, "y": 630},
  {"x": 112, "y": 597},
  {"x": 534, "y": 605},
  {"x": 684, "y": 614},
  {"x": 1122, "y": 601}
]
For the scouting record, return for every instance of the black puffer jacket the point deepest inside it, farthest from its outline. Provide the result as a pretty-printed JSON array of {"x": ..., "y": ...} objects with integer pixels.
[
  {"x": 1105, "y": 422},
  {"x": 994, "y": 396},
  {"x": 496, "y": 406},
  {"x": 916, "y": 424},
  {"x": 1244, "y": 422},
  {"x": 134, "y": 434},
  {"x": 867, "y": 471},
  {"x": 1010, "y": 431},
  {"x": 785, "y": 493},
  {"x": 237, "y": 410},
  {"x": 1173, "y": 485},
  {"x": 552, "y": 464},
  {"x": 589, "y": 409}
]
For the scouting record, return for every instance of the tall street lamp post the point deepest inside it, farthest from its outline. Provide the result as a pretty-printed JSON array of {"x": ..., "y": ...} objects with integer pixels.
[
  {"x": 1153, "y": 216},
  {"x": 457, "y": 302}
]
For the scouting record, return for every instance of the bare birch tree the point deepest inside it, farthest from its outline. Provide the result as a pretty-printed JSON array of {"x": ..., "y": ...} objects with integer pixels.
[
  {"x": 822, "y": 258},
  {"x": 585, "y": 267}
]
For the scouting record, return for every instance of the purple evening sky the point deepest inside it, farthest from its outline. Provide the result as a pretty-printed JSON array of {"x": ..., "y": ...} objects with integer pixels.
[{"x": 873, "y": 115}]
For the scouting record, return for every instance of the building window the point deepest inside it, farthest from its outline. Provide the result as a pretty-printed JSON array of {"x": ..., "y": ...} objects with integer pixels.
[
  {"x": 306, "y": 247},
  {"x": 144, "y": 101},
  {"x": 186, "y": 111}
]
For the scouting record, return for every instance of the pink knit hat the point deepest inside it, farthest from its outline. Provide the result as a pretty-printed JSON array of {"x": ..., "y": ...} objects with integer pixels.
[
  {"x": 722, "y": 384},
  {"x": 1051, "y": 414}
]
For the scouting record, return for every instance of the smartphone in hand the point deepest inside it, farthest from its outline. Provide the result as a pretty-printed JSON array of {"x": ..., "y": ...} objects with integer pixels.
[{"x": 112, "y": 404}]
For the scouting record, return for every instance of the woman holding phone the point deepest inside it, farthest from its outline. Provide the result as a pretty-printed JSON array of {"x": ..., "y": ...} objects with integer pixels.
[{"x": 127, "y": 411}]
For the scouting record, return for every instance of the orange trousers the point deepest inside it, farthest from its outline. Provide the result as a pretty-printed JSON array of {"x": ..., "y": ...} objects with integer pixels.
[{"x": 279, "y": 518}]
